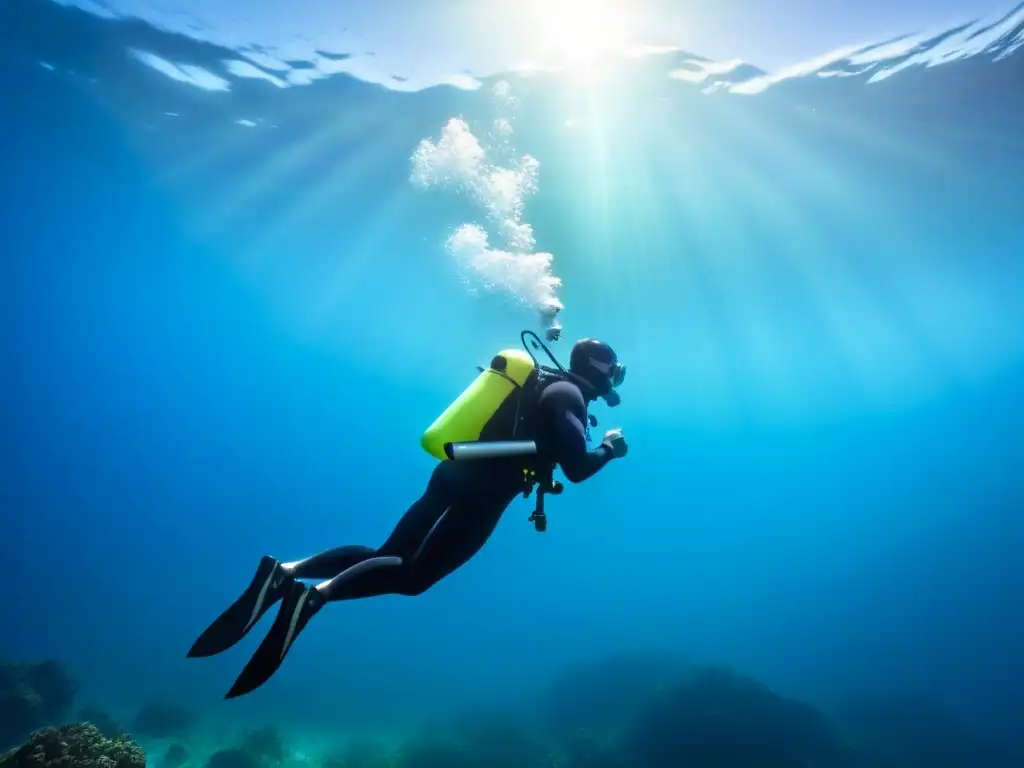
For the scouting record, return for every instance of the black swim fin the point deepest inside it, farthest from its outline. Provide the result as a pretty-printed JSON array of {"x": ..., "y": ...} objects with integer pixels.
[
  {"x": 300, "y": 604},
  {"x": 268, "y": 586}
]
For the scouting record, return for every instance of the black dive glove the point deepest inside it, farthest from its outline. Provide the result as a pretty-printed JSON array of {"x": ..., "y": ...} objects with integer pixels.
[{"x": 616, "y": 443}]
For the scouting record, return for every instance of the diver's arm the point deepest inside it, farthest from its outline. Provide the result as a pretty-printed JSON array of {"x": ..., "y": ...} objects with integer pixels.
[{"x": 564, "y": 404}]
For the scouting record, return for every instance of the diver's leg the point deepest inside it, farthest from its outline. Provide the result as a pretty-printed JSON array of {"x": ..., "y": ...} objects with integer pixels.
[
  {"x": 453, "y": 542},
  {"x": 329, "y": 563},
  {"x": 460, "y": 530},
  {"x": 411, "y": 529},
  {"x": 268, "y": 585},
  {"x": 414, "y": 528},
  {"x": 273, "y": 579},
  {"x": 301, "y": 603}
]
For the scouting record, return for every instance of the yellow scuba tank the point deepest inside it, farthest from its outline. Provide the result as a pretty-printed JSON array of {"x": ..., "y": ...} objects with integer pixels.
[{"x": 464, "y": 420}]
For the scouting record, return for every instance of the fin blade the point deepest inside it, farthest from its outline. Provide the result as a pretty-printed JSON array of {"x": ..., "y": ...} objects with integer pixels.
[
  {"x": 298, "y": 608},
  {"x": 233, "y": 624}
]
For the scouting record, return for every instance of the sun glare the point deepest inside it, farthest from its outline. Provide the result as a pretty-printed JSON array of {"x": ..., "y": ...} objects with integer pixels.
[{"x": 576, "y": 33}]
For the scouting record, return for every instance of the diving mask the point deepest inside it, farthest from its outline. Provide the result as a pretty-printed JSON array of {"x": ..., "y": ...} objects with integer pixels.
[
  {"x": 616, "y": 372},
  {"x": 617, "y": 375}
]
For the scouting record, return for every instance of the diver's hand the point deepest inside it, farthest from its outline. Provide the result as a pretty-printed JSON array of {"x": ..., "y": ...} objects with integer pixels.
[{"x": 616, "y": 442}]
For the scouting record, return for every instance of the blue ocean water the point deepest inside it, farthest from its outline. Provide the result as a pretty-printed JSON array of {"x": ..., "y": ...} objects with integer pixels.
[{"x": 223, "y": 340}]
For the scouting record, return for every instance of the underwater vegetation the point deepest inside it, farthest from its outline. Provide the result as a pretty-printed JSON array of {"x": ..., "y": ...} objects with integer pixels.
[
  {"x": 74, "y": 746},
  {"x": 107, "y": 725},
  {"x": 639, "y": 711}
]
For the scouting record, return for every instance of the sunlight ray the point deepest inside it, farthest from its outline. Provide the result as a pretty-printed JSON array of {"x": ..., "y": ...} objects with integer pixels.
[
  {"x": 355, "y": 258},
  {"x": 341, "y": 179},
  {"x": 858, "y": 307},
  {"x": 891, "y": 282},
  {"x": 292, "y": 160}
]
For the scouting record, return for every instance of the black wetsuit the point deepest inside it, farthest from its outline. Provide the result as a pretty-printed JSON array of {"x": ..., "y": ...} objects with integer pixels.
[{"x": 459, "y": 510}]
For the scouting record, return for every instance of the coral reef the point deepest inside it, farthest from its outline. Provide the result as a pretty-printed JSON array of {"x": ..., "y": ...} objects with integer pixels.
[
  {"x": 717, "y": 719},
  {"x": 74, "y": 746},
  {"x": 605, "y": 693},
  {"x": 621, "y": 712},
  {"x": 709, "y": 718},
  {"x": 159, "y": 720},
  {"x": 32, "y": 696},
  {"x": 107, "y": 725}
]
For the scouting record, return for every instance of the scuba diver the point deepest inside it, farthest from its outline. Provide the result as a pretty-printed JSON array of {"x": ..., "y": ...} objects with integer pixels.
[{"x": 502, "y": 437}]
